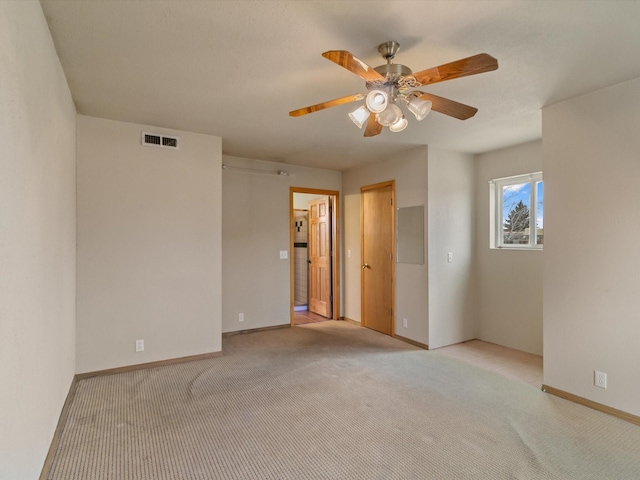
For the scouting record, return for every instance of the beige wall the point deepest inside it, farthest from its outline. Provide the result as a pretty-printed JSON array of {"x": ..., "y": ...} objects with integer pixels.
[
  {"x": 409, "y": 170},
  {"x": 149, "y": 245},
  {"x": 37, "y": 239},
  {"x": 451, "y": 221},
  {"x": 509, "y": 282},
  {"x": 255, "y": 228},
  {"x": 436, "y": 298},
  {"x": 591, "y": 157}
]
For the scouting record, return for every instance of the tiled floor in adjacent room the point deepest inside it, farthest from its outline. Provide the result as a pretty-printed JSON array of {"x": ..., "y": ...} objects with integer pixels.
[{"x": 304, "y": 316}]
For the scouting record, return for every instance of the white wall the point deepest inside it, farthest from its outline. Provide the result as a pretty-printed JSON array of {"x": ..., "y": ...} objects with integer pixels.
[
  {"x": 149, "y": 245},
  {"x": 255, "y": 227},
  {"x": 509, "y": 282},
  {"x": 37, "y": 239},
  {"x": 409, "y": 170},
  {"x": 450, "y": 230},
  {"x": 591, "y": 157}
]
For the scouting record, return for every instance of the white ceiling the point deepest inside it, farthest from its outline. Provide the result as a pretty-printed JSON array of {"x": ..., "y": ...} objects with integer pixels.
[{"x": 236, "y": 68}]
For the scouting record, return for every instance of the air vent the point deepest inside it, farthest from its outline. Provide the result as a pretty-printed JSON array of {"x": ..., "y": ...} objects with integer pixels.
[
  {"x": 170, "y": 142},
  {"x": 162, "y": 141}
]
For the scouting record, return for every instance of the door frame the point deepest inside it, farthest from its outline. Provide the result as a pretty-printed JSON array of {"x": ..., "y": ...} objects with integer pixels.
[
  {"x": 335, "y": 244},
  {"x": 392, "y": 184}
]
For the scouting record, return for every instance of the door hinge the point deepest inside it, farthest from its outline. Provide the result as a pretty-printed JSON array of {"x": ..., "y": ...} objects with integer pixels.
[{"x": 391, "y": 202}]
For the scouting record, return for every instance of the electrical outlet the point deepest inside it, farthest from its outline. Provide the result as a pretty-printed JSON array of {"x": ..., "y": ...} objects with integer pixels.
[
  {"x": 405, "y": 323},
  {"x": 600, "y": 379},
  {"x": 139, "y": 345},
  {"x": 284, "y": 254},
  {"x": 450, "y": 257},
  {"x": 241, "y": 317}
]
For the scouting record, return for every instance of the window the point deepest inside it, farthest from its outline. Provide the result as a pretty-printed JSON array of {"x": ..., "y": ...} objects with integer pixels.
[{"x": 517, "y": 209}]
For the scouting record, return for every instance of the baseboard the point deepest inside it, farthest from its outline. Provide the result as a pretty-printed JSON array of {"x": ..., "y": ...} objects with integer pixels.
[
  {"x": 591, "y": 404},
  {"x": 142, "y": 366},
  {"x": 254, "y": 330},
  {"x": 62, "y": 421},
  {"x": 345, "y": 319},
  {"x": 402, "y": 339},
  {"x": 412, "y": 342}
]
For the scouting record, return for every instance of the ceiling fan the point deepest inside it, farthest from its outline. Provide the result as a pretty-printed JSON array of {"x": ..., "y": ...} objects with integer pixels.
[{"x": 393, "y": 84}]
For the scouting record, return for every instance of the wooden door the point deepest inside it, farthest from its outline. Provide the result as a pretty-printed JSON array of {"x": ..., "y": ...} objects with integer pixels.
[
  {"x": 320, "y": 257},
  {"x": 377, "y": 249}
]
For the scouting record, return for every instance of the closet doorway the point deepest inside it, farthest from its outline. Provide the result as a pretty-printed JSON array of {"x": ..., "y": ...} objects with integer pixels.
[{"x": 314, "y": 266}]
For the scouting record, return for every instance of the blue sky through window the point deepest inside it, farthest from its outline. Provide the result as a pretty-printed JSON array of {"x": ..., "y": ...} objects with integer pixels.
[{"x": 540, "y": 205}]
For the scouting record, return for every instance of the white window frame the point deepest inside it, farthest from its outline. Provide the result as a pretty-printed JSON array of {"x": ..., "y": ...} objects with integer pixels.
[{"x": 496, "y": 215}]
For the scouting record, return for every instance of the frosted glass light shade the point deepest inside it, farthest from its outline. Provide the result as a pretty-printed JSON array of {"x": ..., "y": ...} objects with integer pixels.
[
  {"x": 389, "y": 115},
  {"x": 376, "y": 101},
  {"x": 399, "y": 125},
  {"x": 360, "y": 116},
  {"x": 420, "y": 108}
]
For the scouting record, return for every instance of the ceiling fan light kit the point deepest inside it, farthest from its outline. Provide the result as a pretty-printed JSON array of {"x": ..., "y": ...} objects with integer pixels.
[
  {"x": 391, "y": 82},
  {"x": 389, "y": 115},
  {"x": 360, "y": 116},
  {"x": 376, "y": 101},
  {"x": 399, "y": 125},
  {"x": 420, "y": 108}
]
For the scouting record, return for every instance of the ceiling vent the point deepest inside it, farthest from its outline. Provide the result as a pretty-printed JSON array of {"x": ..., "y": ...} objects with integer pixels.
[{"x": 162, "y": 141}]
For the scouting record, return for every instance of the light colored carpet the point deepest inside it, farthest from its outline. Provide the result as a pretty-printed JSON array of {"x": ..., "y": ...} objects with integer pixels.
[{"x": 333, "y": 401}]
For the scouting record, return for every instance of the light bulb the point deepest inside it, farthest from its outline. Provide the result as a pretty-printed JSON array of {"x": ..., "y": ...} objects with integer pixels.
[
  {"x": 359, "y": 116},
  {"x": 376, "y": 101}
]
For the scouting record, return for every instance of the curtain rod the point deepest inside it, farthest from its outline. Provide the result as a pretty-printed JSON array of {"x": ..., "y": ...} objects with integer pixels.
[{"x": 279, "y": 173}]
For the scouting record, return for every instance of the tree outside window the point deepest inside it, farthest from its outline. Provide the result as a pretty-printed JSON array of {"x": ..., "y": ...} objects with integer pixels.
[{"x": 518, "y": 211}]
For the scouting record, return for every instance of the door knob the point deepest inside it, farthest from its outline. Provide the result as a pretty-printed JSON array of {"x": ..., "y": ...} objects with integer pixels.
[{"x": 365, "y": 265}]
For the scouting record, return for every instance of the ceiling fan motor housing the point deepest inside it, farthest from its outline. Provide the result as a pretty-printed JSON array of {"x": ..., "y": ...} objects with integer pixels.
[{"x": 393, "y": 72}]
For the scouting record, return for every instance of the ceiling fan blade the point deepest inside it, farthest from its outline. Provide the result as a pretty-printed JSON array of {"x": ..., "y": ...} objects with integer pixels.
[
  {"x": 323, "y": 105},
  {"x": 353, "y": 64},
  {"x": 460, "y": 68},
  {"x": 449, "y": 107},
  {"x": 373, "y": 127}
]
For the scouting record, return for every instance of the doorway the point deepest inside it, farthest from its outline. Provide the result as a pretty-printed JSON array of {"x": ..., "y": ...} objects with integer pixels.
[
  {"x": 377, "y": 220},
  {"x": 314, "y": 266}
]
